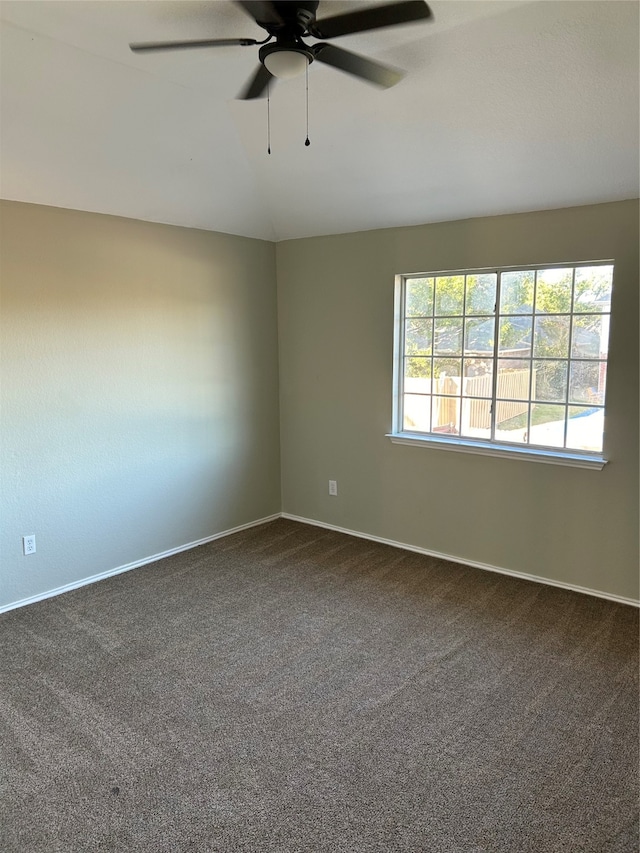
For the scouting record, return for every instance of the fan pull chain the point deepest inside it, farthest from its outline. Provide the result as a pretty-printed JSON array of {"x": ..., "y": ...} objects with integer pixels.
[
  {"x": 306, "y": 142},
  {"x": 268, "y": 118}
]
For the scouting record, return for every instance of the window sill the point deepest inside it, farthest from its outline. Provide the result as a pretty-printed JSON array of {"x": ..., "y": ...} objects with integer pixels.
[{"x": 506, "y": 451}]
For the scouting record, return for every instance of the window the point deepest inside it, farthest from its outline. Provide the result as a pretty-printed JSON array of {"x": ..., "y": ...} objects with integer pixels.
[{"x": 505, "y": 360}]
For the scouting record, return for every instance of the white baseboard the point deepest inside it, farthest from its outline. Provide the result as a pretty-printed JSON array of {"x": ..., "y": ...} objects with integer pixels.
[
  {"x": 473, "y": 563},
  {"x": 135, "y": 565},
  {"x": 429, "y": 553}
]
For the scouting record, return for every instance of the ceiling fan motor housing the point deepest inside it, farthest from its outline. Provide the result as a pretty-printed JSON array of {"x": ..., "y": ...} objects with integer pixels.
[{"x": 298, "y": 15}]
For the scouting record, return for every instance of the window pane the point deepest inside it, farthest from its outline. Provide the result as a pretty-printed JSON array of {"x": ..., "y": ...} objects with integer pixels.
[
  {"x": 513, "y": 379},
  {"x": 553, "y": 291},
  {"x": 446, "y": 375},
  {"x": 478, "y": 377},
  {"x": 547, "y": 425},
  {"x": 585, "y": 429},
  {"x": 515, "y": 336},
  {"x": 448, "y": 337},
  {"x": 479, "y": 337},
  {"x": 417, "y": 375},
  {"x": 449, "y": 294},
  {"x": 551, "y": 337},
  {"x": 419, "y": 298},
  {"x": 446, "y": 415},
  {"x": 417, "y": 413},
  {"x": 418, "y": 337},
  {"x": 475, "y": 419},
  {"x": 511, "y": 421},
  {"x": 516, "y": 292},
  {"x": 481, "y": 293},
  {"x": 590, "y": 337},
  {"x": 549, "y": 381},
  {"x": 593, "y": 289},
  {"x": 588, "y": 382}
]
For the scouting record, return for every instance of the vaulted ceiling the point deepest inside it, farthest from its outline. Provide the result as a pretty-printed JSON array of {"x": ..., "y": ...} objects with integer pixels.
[{"x": 506, "y": 106}]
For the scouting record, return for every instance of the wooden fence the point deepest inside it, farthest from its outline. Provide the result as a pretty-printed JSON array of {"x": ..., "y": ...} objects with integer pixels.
[{"x": 452, "y": 415}]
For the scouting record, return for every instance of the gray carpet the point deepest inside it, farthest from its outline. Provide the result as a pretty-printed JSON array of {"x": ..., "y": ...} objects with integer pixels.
[{"x": 293, "y": 689}]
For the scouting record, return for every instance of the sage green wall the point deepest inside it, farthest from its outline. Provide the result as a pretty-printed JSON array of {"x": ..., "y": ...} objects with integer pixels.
[
  {"x": 139, "y": 378},
  {"x": 140, "y": 391},
  {"x": 336, "y": 339}
]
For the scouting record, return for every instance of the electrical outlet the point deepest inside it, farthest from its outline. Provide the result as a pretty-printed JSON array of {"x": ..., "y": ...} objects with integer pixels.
[
  {"x": 333, "y": 487},
  {"x": 29, "y": 544}
]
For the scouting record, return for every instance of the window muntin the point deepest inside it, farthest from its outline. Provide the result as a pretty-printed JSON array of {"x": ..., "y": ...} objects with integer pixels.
[{"x": 515, "y": 357}]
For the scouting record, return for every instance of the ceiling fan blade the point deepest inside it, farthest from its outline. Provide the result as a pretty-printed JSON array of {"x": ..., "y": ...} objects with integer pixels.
[
  {"x": 257, "y": 85},
  {"x": 360, "y": 66},
  {"x": 261, "y": 12},
  {"x": 371, "y": 19},
  {"x": 150, "y": 46}
]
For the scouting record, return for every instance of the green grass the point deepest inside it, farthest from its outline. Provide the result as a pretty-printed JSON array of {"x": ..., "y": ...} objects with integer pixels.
[{"x": 548, "y": 414}]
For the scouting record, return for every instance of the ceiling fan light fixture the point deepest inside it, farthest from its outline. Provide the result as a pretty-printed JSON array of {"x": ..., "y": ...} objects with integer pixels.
[{"x": 286, "y": 63}]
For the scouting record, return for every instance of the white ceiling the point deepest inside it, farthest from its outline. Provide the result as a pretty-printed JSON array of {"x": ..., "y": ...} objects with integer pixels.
[{"x": 506, "y": 106}]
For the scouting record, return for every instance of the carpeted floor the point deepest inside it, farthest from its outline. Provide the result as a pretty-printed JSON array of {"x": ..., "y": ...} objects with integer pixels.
[{"x": 293, "y": 689}]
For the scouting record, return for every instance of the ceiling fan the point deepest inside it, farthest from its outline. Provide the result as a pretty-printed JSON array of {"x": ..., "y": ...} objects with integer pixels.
[{"x": 284, "y": 54}]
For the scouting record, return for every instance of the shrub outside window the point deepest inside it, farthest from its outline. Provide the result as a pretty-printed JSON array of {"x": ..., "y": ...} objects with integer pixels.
[{"x": 515, "y": 357}]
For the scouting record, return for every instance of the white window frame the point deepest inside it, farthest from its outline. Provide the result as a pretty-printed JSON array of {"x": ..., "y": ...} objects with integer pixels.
[{"x": 491, "y": 446}]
